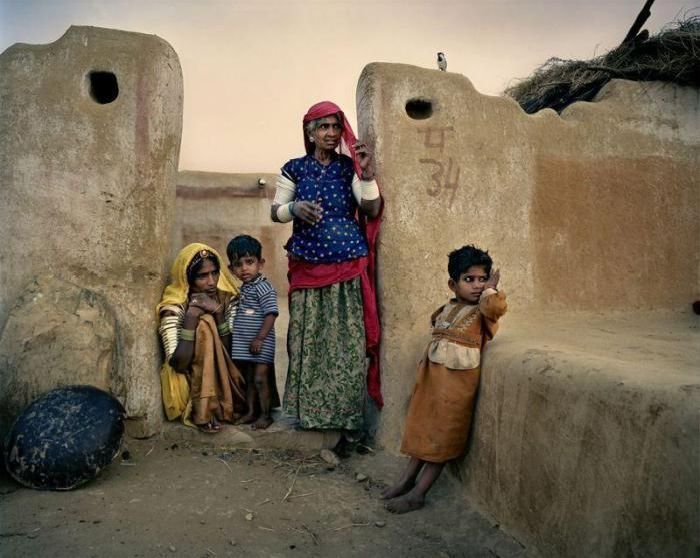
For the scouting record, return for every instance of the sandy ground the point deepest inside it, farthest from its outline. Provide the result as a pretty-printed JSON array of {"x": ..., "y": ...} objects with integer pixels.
[{"x": 187, "y": 500}]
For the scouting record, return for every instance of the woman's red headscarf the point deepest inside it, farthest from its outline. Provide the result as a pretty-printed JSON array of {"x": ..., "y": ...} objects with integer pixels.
[{"x": 370, "y": 227}]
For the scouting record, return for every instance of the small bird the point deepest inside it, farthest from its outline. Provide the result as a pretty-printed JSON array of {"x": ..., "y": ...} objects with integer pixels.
[{"x": 442, "y": 61}]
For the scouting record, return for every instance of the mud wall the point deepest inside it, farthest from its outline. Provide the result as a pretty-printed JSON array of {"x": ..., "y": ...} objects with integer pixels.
[
  {"x": 89, "y": 147},
  {"x": 592, "y": 213},
  {"x": 578, "y": 211},
  {"x": 214, "y": 207}
]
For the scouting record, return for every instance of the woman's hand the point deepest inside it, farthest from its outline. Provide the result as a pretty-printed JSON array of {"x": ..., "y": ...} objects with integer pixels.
[
  {"x": 204, "y": 303},
  {"x": 309, "y": 212},
  {"x": 364, "y": 159},
  {"x": 493, "y": 279}
]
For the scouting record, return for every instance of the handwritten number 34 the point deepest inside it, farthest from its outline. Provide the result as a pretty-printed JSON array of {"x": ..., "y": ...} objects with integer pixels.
[{"x": 449, "y": 182}]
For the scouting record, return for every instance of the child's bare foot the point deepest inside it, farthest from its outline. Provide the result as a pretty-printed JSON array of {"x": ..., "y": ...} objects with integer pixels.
[
  {"x": 246, "y": 419},
  {"x": 406, "y": 503},
  {"x": 396, "y": 490},
  {"x": 262, "y": 423}
]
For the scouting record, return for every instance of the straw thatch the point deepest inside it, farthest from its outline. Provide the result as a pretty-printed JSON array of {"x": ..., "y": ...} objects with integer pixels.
[{"x": 673, "y": 55}]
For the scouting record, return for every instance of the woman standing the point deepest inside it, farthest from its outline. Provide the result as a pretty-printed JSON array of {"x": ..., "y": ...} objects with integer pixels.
[
  {"x": 335, "y": 204},
  {"x": 199, "y": 381}
]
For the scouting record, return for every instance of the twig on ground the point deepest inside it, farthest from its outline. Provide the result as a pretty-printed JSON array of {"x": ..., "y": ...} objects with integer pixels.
[
  {"x": 300, "y": 495},
  {"x": 348, "y": 526},
  {"x": 227, "y": 465},
  {"x": 149, "y": 451},
  {"x": 313, "y": 535},
  {"x": 306, "y": 531},
  {"x": 265, "y": 528},
  {"x": 265, "y": 501},
  {"x": 294, "y": 480}
]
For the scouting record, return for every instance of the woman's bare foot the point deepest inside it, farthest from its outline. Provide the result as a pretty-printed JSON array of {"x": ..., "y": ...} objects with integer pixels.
[
  {"x": 397, "y": 490},
  {"x": 211, "y": 427},
  {"x": 406, "y": 503},
  {"x": 262, "y": 423},
  {"x": 246, "y": 419}
]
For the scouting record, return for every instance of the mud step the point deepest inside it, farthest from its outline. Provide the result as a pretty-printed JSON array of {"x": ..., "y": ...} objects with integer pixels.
[{"x": 284, "y": 433}]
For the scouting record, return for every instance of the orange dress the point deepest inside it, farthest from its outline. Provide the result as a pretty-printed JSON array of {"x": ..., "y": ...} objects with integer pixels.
[{"x": 442, "y": 404}]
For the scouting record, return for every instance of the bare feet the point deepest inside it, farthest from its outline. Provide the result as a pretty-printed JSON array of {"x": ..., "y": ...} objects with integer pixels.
[
  {"x": 262, "y": 423},
  {"x": 246, "y": 419},
  {"x": 211, "y": 427},
  {"x": 406, "y": 503},
  {"x": 396, "y": 490}
]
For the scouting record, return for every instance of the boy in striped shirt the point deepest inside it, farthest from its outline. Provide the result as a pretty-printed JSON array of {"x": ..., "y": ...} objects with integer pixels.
[{"x": 253, "y": 330}]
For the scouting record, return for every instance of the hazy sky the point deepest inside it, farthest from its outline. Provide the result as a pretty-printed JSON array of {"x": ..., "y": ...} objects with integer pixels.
[{"x": 252, "y": 68}]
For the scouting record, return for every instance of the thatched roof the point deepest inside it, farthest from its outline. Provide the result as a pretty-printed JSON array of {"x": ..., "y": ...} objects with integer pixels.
[{"x": 673, "y": 55}]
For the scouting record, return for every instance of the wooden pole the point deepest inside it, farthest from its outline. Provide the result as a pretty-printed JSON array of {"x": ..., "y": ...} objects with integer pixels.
[{"x": 639, "y": 22}]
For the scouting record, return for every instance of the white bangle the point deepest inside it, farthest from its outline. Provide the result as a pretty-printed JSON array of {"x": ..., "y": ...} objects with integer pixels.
[
  {"x": 284, "y": 212},
  {"x": 370, "y": 190}
]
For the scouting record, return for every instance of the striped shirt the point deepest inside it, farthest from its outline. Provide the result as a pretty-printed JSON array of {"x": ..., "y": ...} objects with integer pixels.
[{"x": 257, "y": 299}]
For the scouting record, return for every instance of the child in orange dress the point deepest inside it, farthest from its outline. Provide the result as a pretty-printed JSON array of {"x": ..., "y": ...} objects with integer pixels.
[{"x": 442, "y": 404}]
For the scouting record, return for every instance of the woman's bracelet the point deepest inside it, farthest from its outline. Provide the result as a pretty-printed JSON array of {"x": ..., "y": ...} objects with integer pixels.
[
  {"x": 285, "y": 212},
  {"x": 223, "y": 329},
  {"x": 186, "y": 334},
  {"x": 369, "y": 189}
]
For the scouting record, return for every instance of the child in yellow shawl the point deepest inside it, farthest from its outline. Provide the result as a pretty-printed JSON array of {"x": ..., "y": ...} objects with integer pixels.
[
  {"x": 199, "y": 381},
  {"x": 442, "y": 404}
]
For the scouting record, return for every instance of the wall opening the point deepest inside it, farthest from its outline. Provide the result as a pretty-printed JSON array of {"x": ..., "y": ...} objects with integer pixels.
[
  {"x": 419, "y": 109},
  {"x": 103, "y": 87}
]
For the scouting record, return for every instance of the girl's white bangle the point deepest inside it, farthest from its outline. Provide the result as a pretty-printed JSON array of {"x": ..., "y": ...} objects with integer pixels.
[{"x": 284, "y": 212}]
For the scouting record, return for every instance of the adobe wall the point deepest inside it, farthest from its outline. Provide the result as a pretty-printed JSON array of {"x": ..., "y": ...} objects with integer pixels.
[
  {"x": 579, "y": 211},
  {"x": 87, "y": 180},
  {"x": 214, "y": 207},
  {"x": 590, "y": 214}
]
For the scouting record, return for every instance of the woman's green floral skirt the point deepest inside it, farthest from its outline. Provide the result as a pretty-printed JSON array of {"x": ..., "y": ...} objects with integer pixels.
[{"x": 327, "y": 368}]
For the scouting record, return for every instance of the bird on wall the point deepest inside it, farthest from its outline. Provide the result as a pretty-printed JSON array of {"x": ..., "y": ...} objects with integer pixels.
[{"x": 442, "y": 61}]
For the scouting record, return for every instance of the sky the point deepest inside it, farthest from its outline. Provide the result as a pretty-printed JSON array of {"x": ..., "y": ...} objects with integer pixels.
[{"x": 251, "y": 68}]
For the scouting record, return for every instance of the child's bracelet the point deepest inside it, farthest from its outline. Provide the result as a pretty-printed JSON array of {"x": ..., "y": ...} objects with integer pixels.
[
  {"x": 186, "y": 334},
  {"x": 224, "y": 329}
]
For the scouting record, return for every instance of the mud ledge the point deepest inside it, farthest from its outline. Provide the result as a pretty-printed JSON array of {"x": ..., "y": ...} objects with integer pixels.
[{"x": 586, "y": 435}]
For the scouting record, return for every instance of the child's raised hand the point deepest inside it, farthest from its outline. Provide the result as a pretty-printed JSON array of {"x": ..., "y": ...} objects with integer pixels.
[{"x": 492, "y": 282}]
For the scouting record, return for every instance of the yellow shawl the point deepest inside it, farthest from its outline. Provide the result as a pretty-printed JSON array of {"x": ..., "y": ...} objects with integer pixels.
[{"x": 176, "y": 391}]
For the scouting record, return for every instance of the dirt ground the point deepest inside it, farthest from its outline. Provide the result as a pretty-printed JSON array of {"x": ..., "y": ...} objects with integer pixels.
[{"x": 161, "y": 498}]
